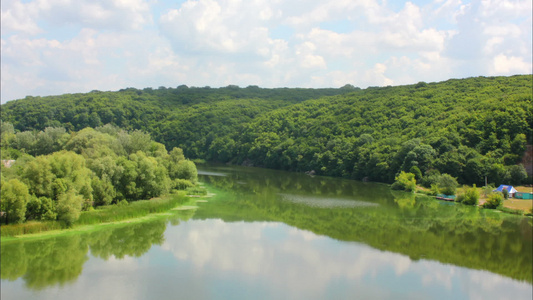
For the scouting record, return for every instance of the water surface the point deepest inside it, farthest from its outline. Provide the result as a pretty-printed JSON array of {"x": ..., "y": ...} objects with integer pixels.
[{"x": 277, "y": 235}]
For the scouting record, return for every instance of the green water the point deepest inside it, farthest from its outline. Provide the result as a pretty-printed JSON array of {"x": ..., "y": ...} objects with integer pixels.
[{"x": 277, "y": 235}]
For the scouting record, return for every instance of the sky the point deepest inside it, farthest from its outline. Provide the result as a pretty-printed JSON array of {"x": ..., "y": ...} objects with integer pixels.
[{"x": 51, "y": 47}]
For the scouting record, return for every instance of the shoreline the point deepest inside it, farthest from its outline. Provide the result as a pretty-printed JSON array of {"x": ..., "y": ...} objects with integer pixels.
[{"x": 94, "y": 227}]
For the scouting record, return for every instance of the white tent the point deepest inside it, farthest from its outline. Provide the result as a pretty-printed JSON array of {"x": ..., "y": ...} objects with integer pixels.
[{"x": 510, "y": 189}]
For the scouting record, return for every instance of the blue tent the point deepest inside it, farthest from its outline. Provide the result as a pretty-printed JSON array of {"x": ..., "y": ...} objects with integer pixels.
[{"x": 510, "y": 189}]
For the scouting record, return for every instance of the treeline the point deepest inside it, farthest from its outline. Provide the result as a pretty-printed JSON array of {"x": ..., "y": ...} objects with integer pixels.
[
  {"x": 469, "y": 128},
  {"x": 55, "y": 175},
  {"x": 186, "y": 117}
]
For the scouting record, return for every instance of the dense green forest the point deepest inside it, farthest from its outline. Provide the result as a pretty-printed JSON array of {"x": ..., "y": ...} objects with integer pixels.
[
  {"x": 469, "y": 128},
  {"x": 56, "y": 174}
]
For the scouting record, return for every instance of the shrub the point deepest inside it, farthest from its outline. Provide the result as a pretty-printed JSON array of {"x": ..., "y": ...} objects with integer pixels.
[
  {"x": 434, "y": 189},
  {"x": 505, "y": 193},
  {"x": 196, "y": 190},
  {"x": 431, "y": 177},
  {"x": 447, "y": 184},
  {"x": 471, "y": 195},
  {"x": 13, "y": 200},
  {"x": 460, "y": 198},
  {"x": 487, "y": 190},
  {"x": 511, "y": 211},
  {"x": 493, "y": 201},
  {"x": 182, "y": 184},
  {"x": 30, "y": 227},
  {"x": 415, "y": 170},
  {"x": 405, "y": 181}
]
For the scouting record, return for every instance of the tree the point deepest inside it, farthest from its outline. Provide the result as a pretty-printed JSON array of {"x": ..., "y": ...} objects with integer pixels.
[
  {"x": 470, "y": 196},
  {"x": 447, "y": 184},
  {"x": 69, "y": 207},
  {"x": 25, "y": 141},
  {"x": 90, "y": 142},
  {"x": 474, "y": 171},
  {"x": 175, "y": 157},
  {"x": 50, "y": 140},
  {"x": 493, "y": 201},
  {"x": 415, "y": 170},
  {"x": 498, "y": 174},
  {"x": 39, "y": 177},
  {"x": 152, "y": 179},
  {"x": 103, "y": 191},
  {"x": 71, "y": 169},
  {"x": 517, "y": 174},
  {"x": 519, "y": 144},
  {"x": 405, "y": 181},
  {"x": 134, "y": 141},
  {"x": 187, "y": 170},
  {"x": 7, "y": 132},
  {"x": 13, "y": 200}
]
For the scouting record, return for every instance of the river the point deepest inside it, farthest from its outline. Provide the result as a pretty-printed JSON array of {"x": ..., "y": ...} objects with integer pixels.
[{"x": 277, "y": 235}]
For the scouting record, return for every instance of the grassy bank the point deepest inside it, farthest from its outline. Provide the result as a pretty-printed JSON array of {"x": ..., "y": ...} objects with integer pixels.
[
  {"x": 84, "y": 228},
  {"x": 511, "y": 205},
  {"x": 113, "y": 214}
]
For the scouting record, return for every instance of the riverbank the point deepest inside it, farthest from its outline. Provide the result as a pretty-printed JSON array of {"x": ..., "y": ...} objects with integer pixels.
[
  {"x": 134, "y": 212},
  {"x": 512, "y": 204},
  {"x": 88, "y": 228}
]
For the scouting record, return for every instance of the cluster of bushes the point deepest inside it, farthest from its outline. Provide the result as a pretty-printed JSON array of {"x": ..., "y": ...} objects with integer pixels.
[
  {"x": 438, "y": 183},
  {"x": 494, "y": 200},
  {"x": 447, "y": 185},
  {"x": 405, "y": 181},
  {"x": 84, "y": 169},
  {"x": 468, "y": 196}
]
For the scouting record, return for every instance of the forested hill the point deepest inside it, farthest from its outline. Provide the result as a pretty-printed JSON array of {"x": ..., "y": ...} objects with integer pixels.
[
  {"x": 185, "y": 117},
  {"x": 469, "y": 128}
]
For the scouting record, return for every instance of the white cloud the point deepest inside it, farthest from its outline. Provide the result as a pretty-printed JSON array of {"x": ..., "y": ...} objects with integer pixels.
[
  {"x": 208, "y": 26},
  {"x": 289, "y": 263},
  {"x": 510, "y": 65},
  {"x": 306, "y": 265},
  {"x": 19, "y": 17},
  {"x": 114, "y": 44}
]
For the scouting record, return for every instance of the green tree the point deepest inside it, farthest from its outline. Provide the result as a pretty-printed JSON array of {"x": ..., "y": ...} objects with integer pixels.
[
  {"x": 25, "y": 141},
  {"x": 447, "y": 184},
  {"x": 405, "y": 181},
  {"x": 13, "y": 202},
  {"x": 69, "y": 207},
  {"x": 152, "y": 179},
  {"x": 187, "y": 170},
  {"x": 470, "y": 195},
  {"x": 519, "y": 144},
  {"x": 415, "y": 170},
  {"x": 39, "y": 177},
  {"x": 71, "y": 169},
  {"x": 50, "y": 140},
  {"x": 7, "y": 132},
  {"x": 134, "y": 141},
  {"x": 103, "y": 191},
  {"x": 517, "y": 174},
  {"x": 493, "y": 201}
]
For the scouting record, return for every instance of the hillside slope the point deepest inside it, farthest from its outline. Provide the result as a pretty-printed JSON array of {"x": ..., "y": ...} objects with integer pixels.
[{"x": 469, "y": 128}]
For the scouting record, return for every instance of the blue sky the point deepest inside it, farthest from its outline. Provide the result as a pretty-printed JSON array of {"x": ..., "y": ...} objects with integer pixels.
[{"x": 51, "y": 47}]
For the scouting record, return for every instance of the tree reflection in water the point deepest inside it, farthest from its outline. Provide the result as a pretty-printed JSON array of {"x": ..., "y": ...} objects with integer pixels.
[{"x": 59, "y": 260}]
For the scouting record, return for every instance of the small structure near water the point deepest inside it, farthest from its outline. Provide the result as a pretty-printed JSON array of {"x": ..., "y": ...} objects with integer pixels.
[
  {"x": 510, "y": 189},
  {"x": 521, "y": 195},
  {"x": 446, "y": 197}
]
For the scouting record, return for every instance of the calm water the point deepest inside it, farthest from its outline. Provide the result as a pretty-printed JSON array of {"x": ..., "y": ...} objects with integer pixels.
[{"x": 277, "y": 235}]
